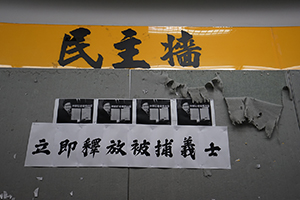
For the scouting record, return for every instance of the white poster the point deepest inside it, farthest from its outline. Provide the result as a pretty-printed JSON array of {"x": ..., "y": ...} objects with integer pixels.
[{"x": 128, "y": 145}]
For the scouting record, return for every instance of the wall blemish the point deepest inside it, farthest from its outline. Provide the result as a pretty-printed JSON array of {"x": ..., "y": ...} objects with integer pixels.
[
  {"x": 262, "y": 114},
  {"x": 5, "y": 196}
]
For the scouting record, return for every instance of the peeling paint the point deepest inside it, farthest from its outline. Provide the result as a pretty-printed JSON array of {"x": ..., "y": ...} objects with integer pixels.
[
  {"x": 176, "y": 88},
  {"x": 207, "y": 173},
  {"x": 262, "y": 114},
  {"x": 289, "y": 84},
  {"x": 215, "y": 83},
  {"x": 236, "y": 109},
  {"x": 292, "y": 81},
  {"x": 5, "y": 196},
  {"x": 197, "y": 94},
  {"x": 36, "y": 192}
]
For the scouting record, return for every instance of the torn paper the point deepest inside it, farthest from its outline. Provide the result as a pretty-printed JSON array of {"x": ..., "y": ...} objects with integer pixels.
[
  {"x": 215, "y": 83},
  {"x": 207, "y": 173},
  {"x": 5, "y": 196},
  {"x": 177, "y": 88},
  {"x": 262, "y": 114},
  {"x": 36, "y": 192},
  {"x": 236, "y": 109},
  {"x": 289, "y": 86},
  {"x": 197, "y": 94}
]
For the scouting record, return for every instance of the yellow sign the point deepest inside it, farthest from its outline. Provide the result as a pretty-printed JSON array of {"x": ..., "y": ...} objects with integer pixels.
[{"x": 155, "y": 47}]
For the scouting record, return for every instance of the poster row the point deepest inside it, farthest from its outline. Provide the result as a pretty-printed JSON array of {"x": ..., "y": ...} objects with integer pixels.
[
  {"x": 134, "y": 111},
  {"x": 123, "y": 145}
]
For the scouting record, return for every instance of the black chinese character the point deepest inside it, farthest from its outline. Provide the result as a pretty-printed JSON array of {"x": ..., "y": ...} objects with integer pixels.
[
  {"x": 77, "y": 41},
  {"x": 92, "y": 145},
  {"x": 116, "y": 148},
  {"x": 167, "y": 148},
  {"x": 66, "y": 145},
  {"x": 187, "y": 55},
  {"x": 127, "y": 44},
  {"x": 140, "y": 148},
  {"x": 42, "y": 147},
  {"x": 213, "y": 148},
  {"x": 188, "y": 148}
]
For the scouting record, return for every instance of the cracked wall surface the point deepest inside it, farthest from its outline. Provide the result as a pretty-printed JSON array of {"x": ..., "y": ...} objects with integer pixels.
[{"x": 264, "y": 160}]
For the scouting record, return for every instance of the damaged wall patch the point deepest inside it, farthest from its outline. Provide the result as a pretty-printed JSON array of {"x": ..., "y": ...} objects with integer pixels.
[
  {"x": 197, "y": 94},
  {"x": 262, "y": 114},
  {"x": 236, "y": 110}
]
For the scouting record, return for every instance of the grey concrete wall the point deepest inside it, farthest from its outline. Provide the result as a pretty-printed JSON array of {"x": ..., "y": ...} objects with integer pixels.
[{"x": 27, "y": 95}]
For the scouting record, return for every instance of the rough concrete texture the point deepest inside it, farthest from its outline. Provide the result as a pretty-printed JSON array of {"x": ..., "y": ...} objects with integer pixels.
[{"x": 27, "y": 95}]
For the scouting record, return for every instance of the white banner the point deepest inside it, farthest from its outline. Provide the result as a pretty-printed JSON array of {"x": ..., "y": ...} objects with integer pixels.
[{"x": 123, "y": 145}]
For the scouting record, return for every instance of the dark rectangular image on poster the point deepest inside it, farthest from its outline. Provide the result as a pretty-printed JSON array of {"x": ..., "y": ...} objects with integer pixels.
[
  {"x": 189, "y": 113},
  {"x": 153, "y": 111},
  {"x": 114, "y": 111},
  {"x": 75, "y": 111}
]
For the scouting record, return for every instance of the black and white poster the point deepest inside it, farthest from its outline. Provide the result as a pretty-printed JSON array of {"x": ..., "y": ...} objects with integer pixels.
[
  {"x": 114, "y": 111},
  {"x": 130, "y": 133},
  {"x": 189, "y": 113},
  {"x": 74, "y": 111},
  {"x": 153, "y": 111}
]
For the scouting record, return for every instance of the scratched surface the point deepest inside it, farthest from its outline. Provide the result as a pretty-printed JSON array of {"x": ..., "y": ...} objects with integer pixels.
[{"x": 261, "y": 168}]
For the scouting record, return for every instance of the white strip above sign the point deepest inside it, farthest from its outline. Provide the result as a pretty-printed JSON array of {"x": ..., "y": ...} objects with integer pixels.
[{"x": 149, "y": 146}]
